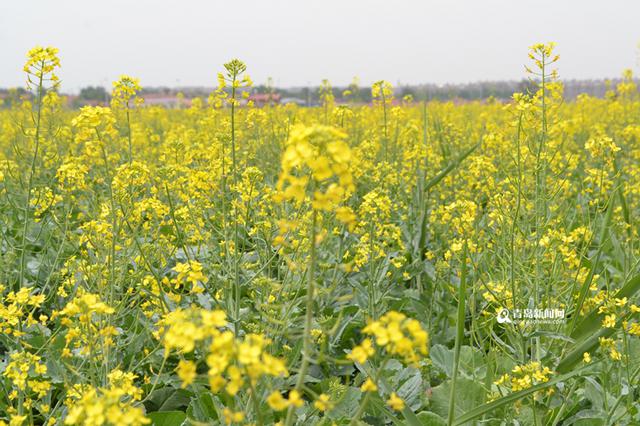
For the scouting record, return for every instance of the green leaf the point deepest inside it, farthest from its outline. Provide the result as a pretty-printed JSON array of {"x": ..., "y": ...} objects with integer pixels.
[
  {"x": 168, "y": 399},
  {"x": 582, "y": 294},
  {"x": 469, "y": 394},
  {"x": 347, "y": 405},
  {"x": 167, "y": 418},
  {"x": 442, "y": 357},
  {"x": 588, "y": 417},
  {"x": 202, "y": 408},
  {"x": 428, "y": 418},
  {"x": 472, "y": 362},
  {"x": 407, "y": 382},
  {"x": 410, "y": 390},
  {"x": 620, "y": 192},
  {"x": 591, "y": 330},
  {"x": 483, "y": 409},
  {"x": 577, "y": 351},
  {"x": 452, "y": 166},
  {"x": 433, "y": 182},
  {"x": 411, "y": 417},
  {"x": 592, "y": 321}
]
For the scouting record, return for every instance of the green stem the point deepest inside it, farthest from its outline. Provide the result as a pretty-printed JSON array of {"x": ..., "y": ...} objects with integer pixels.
[
  {"x": 236, "y": 272},
  {"x": 129, "y": 135},
  {"x": 459, "y": 335},
  {"x": 32, "y": 171},
  {"x": 306, "y": 342},
  {"x": 372, "y": 284}
]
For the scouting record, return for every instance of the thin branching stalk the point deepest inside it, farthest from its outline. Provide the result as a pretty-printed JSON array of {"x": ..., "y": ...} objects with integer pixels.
[
  {"x": 32, "y": 172},
  {"x": 308, "y": 318},
  {"x": 460, "y": 322}
]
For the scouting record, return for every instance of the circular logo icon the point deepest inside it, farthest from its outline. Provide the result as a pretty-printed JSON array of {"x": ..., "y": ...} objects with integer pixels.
[{"x": 503, "y": 316}]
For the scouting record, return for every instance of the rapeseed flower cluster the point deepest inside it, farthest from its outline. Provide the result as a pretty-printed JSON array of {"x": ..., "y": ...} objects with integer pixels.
[
  {"x": 395, "y": 334},
  {"x": 524, "y": 376},
  {"x": 114, "y": 404},
  {"x": 315, "y": 167},
  {"x": 231, "y": 362}
]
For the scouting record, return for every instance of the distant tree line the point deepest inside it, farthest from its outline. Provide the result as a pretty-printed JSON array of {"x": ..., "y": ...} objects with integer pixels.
[
  {"x": 500, "y": 90},
  {"x": 93, "y": 93}
]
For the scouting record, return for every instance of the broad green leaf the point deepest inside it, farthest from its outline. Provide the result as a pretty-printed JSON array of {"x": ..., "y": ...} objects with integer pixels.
[
  {"x": 348, "y": 404},
  {"x": 168, "y": 399},
  {"x": 588, "y": 417},
  {"x": 489, "y": 407},
  {"x": 428, "y": 418},
  {"x": 591, "y": 329},
  {"x": 411, "y": 390},
  {"x": 433, "y": 182},
  {"x": 469, "y": 394},
  {"x": 584, "y": 289},
  {"x": 202, "y": 408},
  {"x": 472, "y": 362},
  {"x": 167, "y": 418},
  {"x": 592, "y": 321}
]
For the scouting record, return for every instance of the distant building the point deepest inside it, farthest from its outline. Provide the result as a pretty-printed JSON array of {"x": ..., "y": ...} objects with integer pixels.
[
  {"x": 165, "y": 100},
  {"x": 262, "y": 99}
]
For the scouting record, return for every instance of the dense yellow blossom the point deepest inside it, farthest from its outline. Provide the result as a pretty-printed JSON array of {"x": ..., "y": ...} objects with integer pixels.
[{"x": 237, "y": 263}]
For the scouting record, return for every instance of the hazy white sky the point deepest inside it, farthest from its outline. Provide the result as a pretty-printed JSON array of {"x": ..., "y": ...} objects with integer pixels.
[{"x": 300, "y": 42}]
